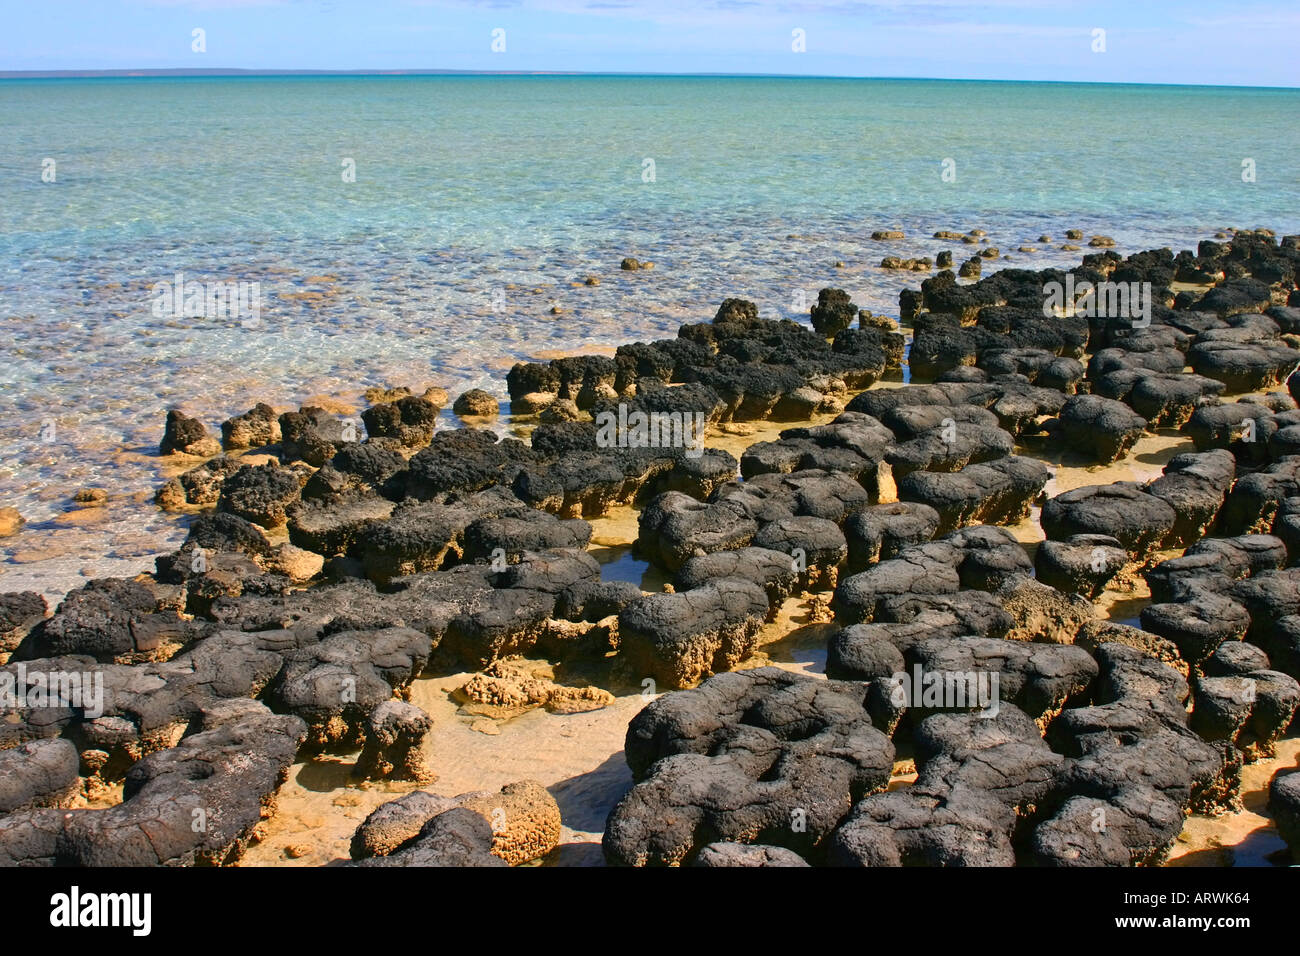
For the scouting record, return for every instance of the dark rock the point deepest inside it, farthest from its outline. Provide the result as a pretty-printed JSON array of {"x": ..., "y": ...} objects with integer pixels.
[
  {"x": 763, "y": 756},
  {"x": 675, "y": 527},
  {"x": 1244, "y": 366},
  {"x": 1251, "y": 710},
  {"x": 746, "y": 855},
  {"x": 1235, "y": 658},
  {"x": 409, "y": 421},
  {"x": 1283, "y": 644},
  {"x": 1098, "y": 631},
  {"x": 1136, "y": 734},
  {"x": 395, "y": 735},
  {"x": 862, "y": 652},
  {"x": 186, "y": 435},
  {"x": 458, "y": 837},
  {"x": 1081, "y": 564},
  {"x": 593, "y": 601},
  {"x": 833, "y": 313},
  {"x": 1199, "y": 626},
  {"x": 996, "y": 492},
  {"x": 313, "y": 435},
  {"x": 336, "y": 526},
  {"x": 1165, "y": 401},
  {"x": 196, "y": 803},
  {"x": 20, "y": 611},
  {"x": 880, "y": 532},
  {"x": 1284, "y": 807},
  {"x": 529, "y": 530},
  {"x": 1101, "y": 428},
  {"x": 1236, "y": 296},
  {"x": 370, "y": 465},
  {"x": 949, "y": 447},
  {"x": 223, "y": 531},
  {"x": 1268, "y": 597},
  {"x": 396, "y": 823},
  {"x": 198, "y": 486},
  {"x": 986, "y": 556},
  {"x": 975, "y": 776},
  {"x": 774, "y": 571},
  {"x": 679, "y": 639},
  {"x": 816, "y": 544},
  {"x": 914, "y": 573},
  {"x": 878, "y": 403},
  {"x": 1255, "y": 501},
  {"x": 1038, "y": 678},
  {"x": 334, "y": 685},
  {"x": 1133, "y": 826},
  {"x": 959, "y": 613},
  {"x": 261, "y": 494},
  {"x": 42, "y": 773},
  {"x": 465, "y": 460},
  {"x": 524, "y": 378},
  {"x": 1243, "y": 428},
  {"x": 509, "y": 616},
  {"x": 1139, "y": 521},
  {"x": 1195, "y": 485},
  {"x": 112, "y": 619},
  {"x": 427, "y": 535}
]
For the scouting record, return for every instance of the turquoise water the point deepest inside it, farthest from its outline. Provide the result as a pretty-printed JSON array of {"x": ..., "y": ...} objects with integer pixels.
[{"x": 481, "y": 202}]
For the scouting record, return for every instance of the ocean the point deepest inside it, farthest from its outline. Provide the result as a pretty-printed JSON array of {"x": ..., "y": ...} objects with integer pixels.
[{"x": 435, "y": 229}]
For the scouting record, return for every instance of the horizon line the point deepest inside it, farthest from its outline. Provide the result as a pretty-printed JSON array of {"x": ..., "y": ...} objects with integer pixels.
[{"x": 217, "y": 72}]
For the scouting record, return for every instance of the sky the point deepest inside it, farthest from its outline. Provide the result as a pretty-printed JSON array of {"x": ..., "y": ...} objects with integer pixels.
[{"x": 1144, "y": 41}]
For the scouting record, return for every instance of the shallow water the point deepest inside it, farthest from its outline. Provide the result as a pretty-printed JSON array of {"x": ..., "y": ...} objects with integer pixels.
[
  {"x": 481, "y": 202},
  {"x": 620, "y": 564}
]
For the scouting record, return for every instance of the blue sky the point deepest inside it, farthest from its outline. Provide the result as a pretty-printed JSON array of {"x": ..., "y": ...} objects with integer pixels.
[{"x": 1247, "y": 44}]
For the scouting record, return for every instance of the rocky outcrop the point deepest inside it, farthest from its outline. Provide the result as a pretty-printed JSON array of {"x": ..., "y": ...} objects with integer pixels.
[
  {"x": 1139, "y": 521},
  {"x": 187, "y": 436},
  {"x": 997, "y": 492},
  {"x": 1101, "y": 428},
  {"x": 395, "y": 735},
  {"x": 761, "y": 756},
  {"x": 198, "y": 803},
  {"x": 518, "y": 824},
  {"x": 678, "y": 639}
]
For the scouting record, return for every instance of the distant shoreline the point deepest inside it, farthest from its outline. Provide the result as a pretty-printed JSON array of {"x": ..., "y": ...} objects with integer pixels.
[{"x": 219, "y": 73}]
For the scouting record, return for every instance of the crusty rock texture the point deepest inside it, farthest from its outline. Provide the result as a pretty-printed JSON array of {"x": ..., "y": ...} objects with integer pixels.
[
  {"x": 760, "y": 756},
  {"x": 333, "y": 564},
  {"x": 522, "y": 824}
]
